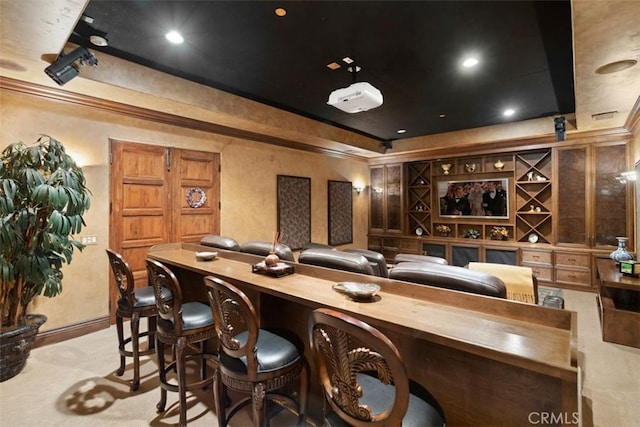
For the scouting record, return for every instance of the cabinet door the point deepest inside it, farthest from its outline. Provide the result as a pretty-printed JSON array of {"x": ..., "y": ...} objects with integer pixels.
[
  {"x": 394, "y": 198},
  {"x": 610, "y": 195},
  {"x": 386, "y": 199},
  {"x": 572, "y": 196},
  {"x": 592, "y": 204},
  {"x": 376, "y": 209}
]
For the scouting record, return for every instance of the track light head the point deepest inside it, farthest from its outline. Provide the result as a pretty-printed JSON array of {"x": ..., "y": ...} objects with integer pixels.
[{"x": 63, "y": 69}]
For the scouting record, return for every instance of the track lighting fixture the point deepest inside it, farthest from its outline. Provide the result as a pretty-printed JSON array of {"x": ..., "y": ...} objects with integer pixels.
[{"x": 63, "y": 68}]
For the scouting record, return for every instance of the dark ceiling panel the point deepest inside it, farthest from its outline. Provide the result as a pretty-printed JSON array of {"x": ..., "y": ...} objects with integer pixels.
[{"x": 409, "y": 50}]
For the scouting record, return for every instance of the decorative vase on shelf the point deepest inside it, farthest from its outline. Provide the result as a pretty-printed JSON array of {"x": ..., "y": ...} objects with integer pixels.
[
  {"x": 272, "y": 259},
  {"x": 621, "y": 254}
]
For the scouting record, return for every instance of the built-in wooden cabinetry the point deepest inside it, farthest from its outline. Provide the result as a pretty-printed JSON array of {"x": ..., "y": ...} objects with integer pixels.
[
  {"x": 593, "y": 206},
  {"x": 386, "y": 213},
  {"x": 565, "y": 208},
  {"x": 534, "y": 205}
]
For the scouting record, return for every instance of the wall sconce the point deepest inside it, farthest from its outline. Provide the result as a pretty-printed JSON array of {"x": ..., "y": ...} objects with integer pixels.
[
  {"x": 358, "y": 189},
  {"x": 626, "y": 177}
]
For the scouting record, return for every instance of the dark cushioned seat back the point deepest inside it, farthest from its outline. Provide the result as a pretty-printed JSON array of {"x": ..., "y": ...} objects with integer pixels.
[
  {"x": 419, "y": 258},
  {"x": 376, "y": 259},
  {"x": 221, "y": 242},
  {"x": 310, "y": 245},
  {"x": 257, "y": 247},
  {"x": 449, "y": 277},
  {"x": 338, "y": 260}
]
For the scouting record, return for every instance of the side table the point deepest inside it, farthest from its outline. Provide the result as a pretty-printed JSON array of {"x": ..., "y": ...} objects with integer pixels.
[{"x": 619, "y": 304}]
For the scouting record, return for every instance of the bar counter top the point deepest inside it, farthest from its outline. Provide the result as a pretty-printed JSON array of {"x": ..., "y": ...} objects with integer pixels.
[{"x": 534, "y": 338}]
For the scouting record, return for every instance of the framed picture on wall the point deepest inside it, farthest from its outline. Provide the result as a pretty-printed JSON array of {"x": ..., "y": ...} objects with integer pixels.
[
  {"x": 483, "y": 198},
  {"x": 294, "y": 210},
  {"x": 340, "y": 212}
]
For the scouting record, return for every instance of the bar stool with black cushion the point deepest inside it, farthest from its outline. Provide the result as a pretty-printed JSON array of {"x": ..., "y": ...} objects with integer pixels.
[
  {"x": 255, "y": 361},
  {"x": 257, "y": 247},
  {"x": 376, "y": 259},
  {"x": 186, "y": 326},
  {"x": 363, "y": 377},
  {"x": 133, "y": 303},
  {"x": 220, "y": 242}
]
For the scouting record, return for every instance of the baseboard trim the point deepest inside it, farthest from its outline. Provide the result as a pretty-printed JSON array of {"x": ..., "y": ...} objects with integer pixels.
[{"x": 71, "y": 331}]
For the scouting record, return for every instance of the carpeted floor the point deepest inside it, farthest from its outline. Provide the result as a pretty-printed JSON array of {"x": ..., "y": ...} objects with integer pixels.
[{"x": 73, "y": 384}]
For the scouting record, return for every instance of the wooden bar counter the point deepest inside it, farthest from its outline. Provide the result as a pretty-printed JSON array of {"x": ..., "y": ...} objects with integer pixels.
[{"x": 489, "y": 362}]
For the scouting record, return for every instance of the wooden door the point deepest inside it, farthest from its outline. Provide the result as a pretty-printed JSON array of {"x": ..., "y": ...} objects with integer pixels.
[
  {"x": 150, "y": 188},
  {"x": 195, "y": 174}
]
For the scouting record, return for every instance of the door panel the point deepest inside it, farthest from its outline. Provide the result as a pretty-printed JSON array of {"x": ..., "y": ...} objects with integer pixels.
[
  {"x": 195, "y": 170},
  {"x": 149, "y": 186}
]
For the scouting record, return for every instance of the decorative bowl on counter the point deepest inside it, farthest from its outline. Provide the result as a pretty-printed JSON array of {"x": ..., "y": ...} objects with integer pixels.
[
  {"x": 206, "y": 256},
  {"x": 358, "y": 291}
]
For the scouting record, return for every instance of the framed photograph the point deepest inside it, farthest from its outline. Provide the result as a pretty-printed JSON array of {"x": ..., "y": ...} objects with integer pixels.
[
  {"x": 487, "y": 198},
  {"x": 294, "y": 210},
  {"x": 340, "y": 212}
]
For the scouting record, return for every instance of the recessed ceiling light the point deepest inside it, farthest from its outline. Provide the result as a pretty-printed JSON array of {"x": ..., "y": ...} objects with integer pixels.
[
  {"x": 614, "y": 67},
  {"x": 281, "y": 11},
  {"x": 98, "y": 40},
  {"x": 174, "y": 37},
  {"x": 347, "y": 60},
  {"x": 333, "y": 66},
  {"x": 401, "y": 131},
  {"x": 509, "y": 112},
  {"x": 470, "y": 62},
  {"x": 442, "y": 116}
]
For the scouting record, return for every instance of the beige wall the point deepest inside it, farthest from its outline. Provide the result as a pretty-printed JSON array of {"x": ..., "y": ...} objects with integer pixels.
[{"x": 248, "y": 186}]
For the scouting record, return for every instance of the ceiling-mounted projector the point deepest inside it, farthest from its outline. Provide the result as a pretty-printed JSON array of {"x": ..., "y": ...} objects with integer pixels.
[{"x": 358, "y": 97}]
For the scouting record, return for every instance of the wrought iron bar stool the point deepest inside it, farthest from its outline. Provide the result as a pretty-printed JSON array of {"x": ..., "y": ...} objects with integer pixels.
[
  {"x": 133, "y": 303},
  {"x": 253, "y": 361},
  {"x": 363, "y": 377},
  {"x": 186, "y": 326}
]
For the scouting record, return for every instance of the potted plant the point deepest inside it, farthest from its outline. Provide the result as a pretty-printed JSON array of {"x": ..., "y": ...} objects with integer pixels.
[
  {"x": 443, "y": 229},
  {"x": 42, "y": 199},
  {"x": 471, "y": 233},
  {"x": 499, "y": 233}
]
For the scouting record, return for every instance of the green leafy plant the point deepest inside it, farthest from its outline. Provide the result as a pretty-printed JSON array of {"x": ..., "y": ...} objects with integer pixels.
[
  {"x": 471, "y": 233},
  {"x": 43, "y": 197}
]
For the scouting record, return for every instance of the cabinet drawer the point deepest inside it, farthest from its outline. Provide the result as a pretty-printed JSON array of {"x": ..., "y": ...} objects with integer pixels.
[
  {"x": 375, "y": 241},
  {"x": 391, "y": 242},
  {"x": 411, "y": 246},
  {"x": 542, "y": 273},
  {"x": 539, "y": 257},
  {"x": 572, "y": 259},
  {"x": 575, "y": 277}
]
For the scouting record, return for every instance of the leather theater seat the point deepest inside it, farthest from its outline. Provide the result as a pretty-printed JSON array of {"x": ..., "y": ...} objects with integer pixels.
[
  {"x": 338, "y": 260},
  {"x": 449, "y": 277},
  {"x": 221, "y": 242},
  {"x": 419, "y": 258},
  {"x": 258, "y": 247},
  {"x": 310, "y": 245},
  {"x": 376, "y": 259}
]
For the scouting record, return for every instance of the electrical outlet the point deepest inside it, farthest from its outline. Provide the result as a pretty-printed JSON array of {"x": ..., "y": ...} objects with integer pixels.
[{"x": 89, "y": 240}]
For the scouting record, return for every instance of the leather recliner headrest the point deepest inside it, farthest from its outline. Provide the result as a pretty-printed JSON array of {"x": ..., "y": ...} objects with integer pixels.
[
  {"x": 258, "y": 247},
  {"x": 221, "y": 242},
  {"x": 449, "y": 277},
  {"x": 338, "y": 260}
]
